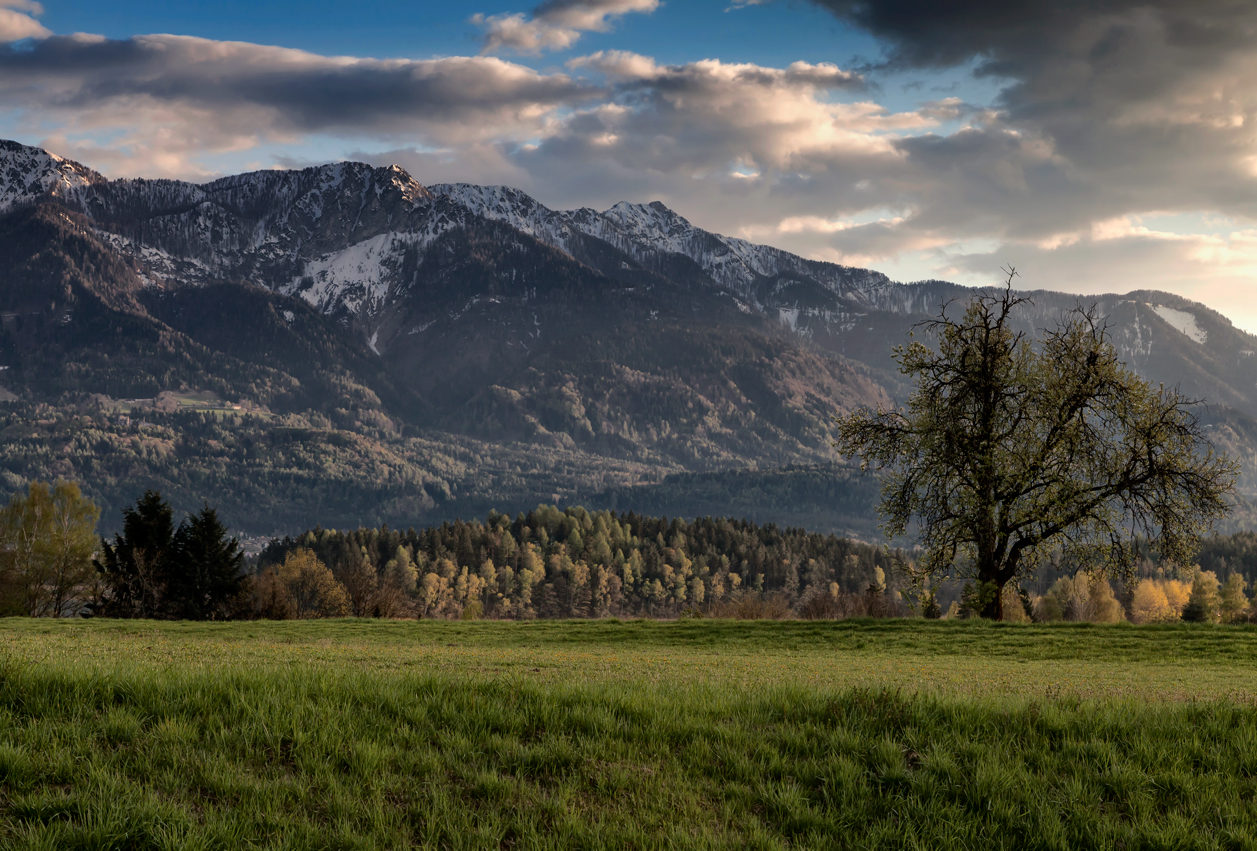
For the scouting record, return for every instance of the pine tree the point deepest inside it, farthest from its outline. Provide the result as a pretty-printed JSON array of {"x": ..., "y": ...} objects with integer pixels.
[
  {"x": 135, "y": 568},
  {"x": 206, "y": 572}
]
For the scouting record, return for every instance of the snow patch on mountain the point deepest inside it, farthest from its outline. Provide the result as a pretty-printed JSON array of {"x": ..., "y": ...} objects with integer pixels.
[
  {"x": 1181, "y": 321},
  {"x": 356, "y": 278}
]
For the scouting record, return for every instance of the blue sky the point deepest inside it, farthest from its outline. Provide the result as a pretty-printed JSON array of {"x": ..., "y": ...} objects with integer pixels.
[
  {"x": 768, "y": 35},
  {"x": 1097, "y": 145}
]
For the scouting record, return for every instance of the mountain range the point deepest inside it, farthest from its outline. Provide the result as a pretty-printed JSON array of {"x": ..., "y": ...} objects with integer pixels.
[{"x": 340, "y": 344}]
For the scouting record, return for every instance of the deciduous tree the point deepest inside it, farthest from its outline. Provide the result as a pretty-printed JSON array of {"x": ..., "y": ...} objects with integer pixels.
[
  {"x": 301, "y": 587},
  {"x": 1234, "y": 603},
  {"x": 1204, "y": 605},
  {"x": 47, "y": 538},
  {"x": 1008, "y": 450}
]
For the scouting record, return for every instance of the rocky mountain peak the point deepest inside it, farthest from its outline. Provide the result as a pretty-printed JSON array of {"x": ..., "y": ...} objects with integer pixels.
[{"x": 28, "y": 173}]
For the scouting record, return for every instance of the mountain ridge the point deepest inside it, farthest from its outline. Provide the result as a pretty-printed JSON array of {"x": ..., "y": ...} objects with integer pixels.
[{"x": 349, "y": 297}]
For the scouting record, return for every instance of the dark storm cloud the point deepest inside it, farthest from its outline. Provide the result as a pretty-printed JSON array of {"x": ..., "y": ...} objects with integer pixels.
[{"x": 1013, "y": 36}]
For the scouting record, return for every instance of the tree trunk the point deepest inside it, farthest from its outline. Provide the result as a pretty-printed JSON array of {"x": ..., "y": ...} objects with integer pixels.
[{"x": 992, "y": 609}]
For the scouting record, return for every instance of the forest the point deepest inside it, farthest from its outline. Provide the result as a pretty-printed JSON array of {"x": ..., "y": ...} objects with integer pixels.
[
  {"x": 267, "y": 474},
  {"x": 546, "y": 563},
  {"x": 574, "y": 563}
]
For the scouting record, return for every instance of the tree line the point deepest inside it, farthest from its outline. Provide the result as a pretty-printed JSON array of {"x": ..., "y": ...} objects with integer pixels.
[
  {"x": 552, "y": 563},
  {"x": 546, "y": 563}
]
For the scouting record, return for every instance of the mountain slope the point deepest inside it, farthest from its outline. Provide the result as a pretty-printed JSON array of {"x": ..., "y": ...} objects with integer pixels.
[{"x": 379, "y": 324}]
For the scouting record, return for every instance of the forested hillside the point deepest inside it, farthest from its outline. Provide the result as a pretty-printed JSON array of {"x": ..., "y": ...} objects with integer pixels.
[{"x": 341, "y": 345}]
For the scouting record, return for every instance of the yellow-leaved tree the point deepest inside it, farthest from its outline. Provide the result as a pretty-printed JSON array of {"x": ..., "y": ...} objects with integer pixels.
[
  {"x": 47, "y": 539},
  {"x": 1149, "y": 604},
  {"x": 301, "y": 587}
]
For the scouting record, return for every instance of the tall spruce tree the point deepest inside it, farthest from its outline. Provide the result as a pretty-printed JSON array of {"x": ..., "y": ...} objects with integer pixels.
[
  {"x": 136, "y": 566},
  {"x": 205, "y": 575}
]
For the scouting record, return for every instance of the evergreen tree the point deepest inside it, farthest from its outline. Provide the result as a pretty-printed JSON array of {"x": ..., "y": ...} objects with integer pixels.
[
  {"x": 136, "y": 566},
  {"x": 206, "y": 572}
]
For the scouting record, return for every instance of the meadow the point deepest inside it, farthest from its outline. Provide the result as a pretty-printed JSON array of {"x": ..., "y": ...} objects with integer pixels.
[{"x": 636, "y": 734}]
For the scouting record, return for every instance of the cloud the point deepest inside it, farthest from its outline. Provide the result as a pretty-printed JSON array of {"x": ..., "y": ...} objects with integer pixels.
[
  {"x": 555, "y": 24},
  {"x": 1089, "y": 132},
  {"x": 17, "y": 20},
  {"x": 1122, "y": 255},
  {"x": 174, "y": 97},
  {"x": 1142, "y": 104},
  {"x": 705, "y": 117}
]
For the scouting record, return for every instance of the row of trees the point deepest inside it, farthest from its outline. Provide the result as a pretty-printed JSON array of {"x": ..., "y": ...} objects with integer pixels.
[
  {"x": 52, "y": 564},
  {"x": 546, "y": 563},
  {"x": 1089, "y": 596},
  {"x": 550, "y": 563}
]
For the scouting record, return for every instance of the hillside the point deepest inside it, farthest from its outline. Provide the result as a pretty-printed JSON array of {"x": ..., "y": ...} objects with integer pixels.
[{"x": 342, "y": 339}]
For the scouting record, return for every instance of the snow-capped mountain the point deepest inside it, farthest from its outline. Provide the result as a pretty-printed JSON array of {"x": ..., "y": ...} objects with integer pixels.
[
  {"x": 403, "y": 264},
  {"x": 339, "y": 234},
  {"x": 650, "y": 233},
  {"x": 28, "y": 174},
  {"x": 615, "y": 345}
]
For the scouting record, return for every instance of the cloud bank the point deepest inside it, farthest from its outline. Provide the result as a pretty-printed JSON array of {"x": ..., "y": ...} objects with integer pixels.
[
  {"x": 1110, "y": 110},
  {"x": 173, "y": 97}
]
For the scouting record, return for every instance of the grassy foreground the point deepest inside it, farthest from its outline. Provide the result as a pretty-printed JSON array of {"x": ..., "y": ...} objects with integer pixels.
[{"x": 640, "y": 735}]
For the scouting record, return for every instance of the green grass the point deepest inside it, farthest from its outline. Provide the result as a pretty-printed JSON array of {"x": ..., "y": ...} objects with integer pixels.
[{"x": 357, "y": 734}]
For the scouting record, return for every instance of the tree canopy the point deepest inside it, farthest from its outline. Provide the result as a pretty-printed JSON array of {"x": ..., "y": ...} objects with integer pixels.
[{"x": 1008, "y": 450}]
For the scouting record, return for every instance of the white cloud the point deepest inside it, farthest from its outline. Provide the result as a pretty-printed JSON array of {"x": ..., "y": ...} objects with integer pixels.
[
  {"x": 17, "y": 20},
  {"x": 554, "y": 25}
]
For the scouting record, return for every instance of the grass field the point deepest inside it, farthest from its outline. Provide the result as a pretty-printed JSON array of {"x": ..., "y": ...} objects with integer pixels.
[{"x": 696, "y": 734}]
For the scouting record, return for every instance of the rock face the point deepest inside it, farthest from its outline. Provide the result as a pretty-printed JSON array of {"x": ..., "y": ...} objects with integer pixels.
[{"x": 353, "y": 294}]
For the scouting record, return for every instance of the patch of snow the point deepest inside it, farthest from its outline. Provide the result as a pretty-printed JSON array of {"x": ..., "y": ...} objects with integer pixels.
[
  {"x": 357, "y": 277},
  {"x": 1181, "y": 321},
  {"x": 372, "y": 341},
  {"x": 289, "y": 316}
]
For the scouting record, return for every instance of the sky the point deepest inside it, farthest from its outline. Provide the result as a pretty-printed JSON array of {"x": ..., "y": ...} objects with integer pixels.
[{"x": 1096, "y": 145}]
